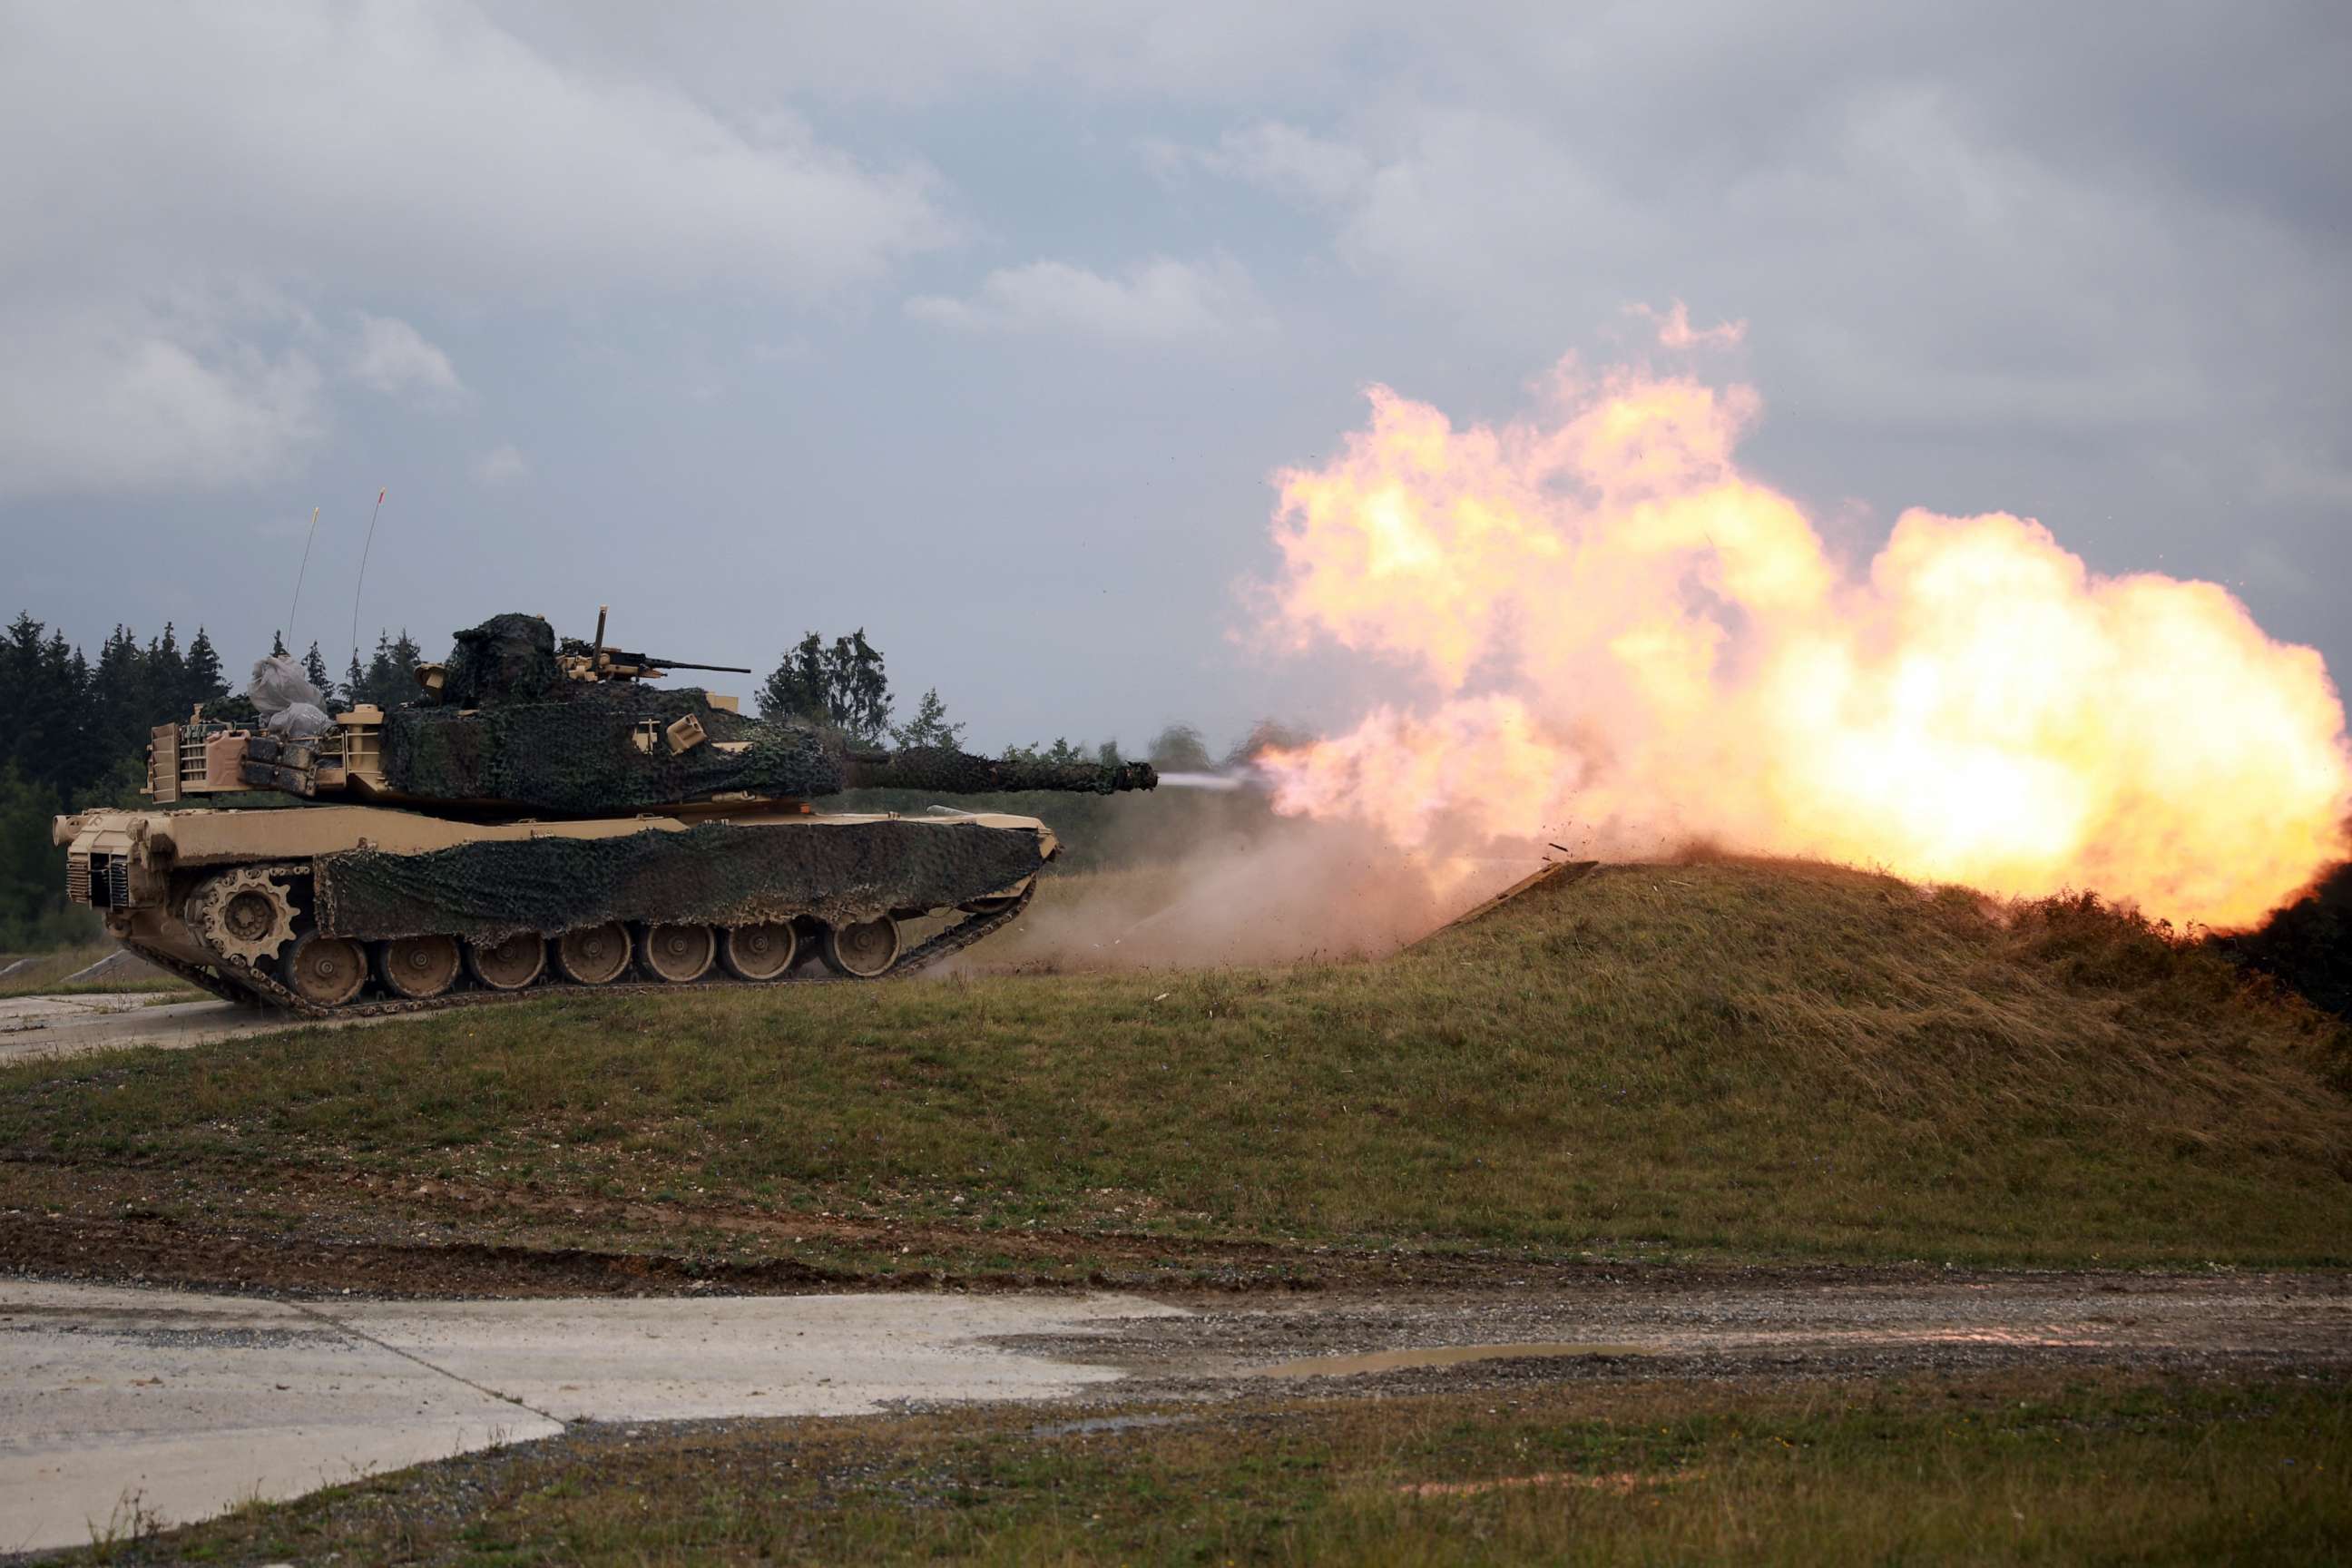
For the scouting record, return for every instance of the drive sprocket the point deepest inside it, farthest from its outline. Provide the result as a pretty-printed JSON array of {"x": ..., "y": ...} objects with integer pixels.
[{"x": 246, "y": 914}]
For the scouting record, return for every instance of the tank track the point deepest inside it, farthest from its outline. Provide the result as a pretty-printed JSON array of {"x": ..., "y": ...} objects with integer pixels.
[{"x": 238, "y": 981}]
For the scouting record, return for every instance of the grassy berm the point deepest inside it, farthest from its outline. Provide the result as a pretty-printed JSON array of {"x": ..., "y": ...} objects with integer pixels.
[{"x": 1715, "y": 1060}]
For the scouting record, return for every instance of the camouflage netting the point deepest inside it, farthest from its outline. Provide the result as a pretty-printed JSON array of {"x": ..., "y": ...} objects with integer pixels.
[
  {"x": 960, "y": 772},
  {"x": 719, "y": 873},
  {"x": 507, "y": 659},
  {"x": 512, "y": 730},
  {"x": 581, "y": 757}
]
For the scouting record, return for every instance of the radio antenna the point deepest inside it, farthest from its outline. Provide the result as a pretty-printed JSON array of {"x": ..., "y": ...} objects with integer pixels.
[
  {"x": 363, "y": 582},
  {"x": 298, "y": 576}
]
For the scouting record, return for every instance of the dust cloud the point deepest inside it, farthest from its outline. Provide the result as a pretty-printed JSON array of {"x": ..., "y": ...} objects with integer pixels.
[{"x": 1290, "y": 891}]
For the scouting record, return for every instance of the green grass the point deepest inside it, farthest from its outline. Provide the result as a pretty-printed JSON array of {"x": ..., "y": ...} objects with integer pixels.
[
  {"x": 2041, "y": 1468},
  {"x": 1741, "y": 1058}
]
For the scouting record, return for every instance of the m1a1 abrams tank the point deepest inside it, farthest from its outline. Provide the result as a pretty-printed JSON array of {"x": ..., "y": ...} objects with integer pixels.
[{"x": 542, "y": 816}]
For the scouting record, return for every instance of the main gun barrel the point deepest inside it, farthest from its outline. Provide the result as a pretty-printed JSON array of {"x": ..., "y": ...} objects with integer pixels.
[{"x": 946, "y": 770}]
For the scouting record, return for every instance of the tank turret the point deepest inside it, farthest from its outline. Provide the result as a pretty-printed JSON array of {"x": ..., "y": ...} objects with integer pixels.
[{"x": 515, "y": 722}]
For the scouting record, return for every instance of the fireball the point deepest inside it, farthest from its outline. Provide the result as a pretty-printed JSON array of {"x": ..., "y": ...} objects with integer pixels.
[{"x": 1607, "y": 631}]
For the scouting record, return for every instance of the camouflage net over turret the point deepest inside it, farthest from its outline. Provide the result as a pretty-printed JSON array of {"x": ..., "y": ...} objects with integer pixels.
[
  {"x": 507, "y": 659},
  {"x": 582, "y": 758},
  {"x": 512, "y": 730}
]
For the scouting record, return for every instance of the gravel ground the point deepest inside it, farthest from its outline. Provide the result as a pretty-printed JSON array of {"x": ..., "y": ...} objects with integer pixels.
[{"x": 1746, "y": 1324}]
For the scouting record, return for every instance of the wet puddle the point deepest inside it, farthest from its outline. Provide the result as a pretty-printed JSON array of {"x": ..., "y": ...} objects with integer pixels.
[{"x": 1439, "y": 1355}]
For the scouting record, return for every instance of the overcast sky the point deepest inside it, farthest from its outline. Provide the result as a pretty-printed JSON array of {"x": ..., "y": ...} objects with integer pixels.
[{"x": 983, "y": 327}]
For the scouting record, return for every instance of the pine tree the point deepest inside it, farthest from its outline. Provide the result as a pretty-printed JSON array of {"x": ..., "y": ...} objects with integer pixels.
[
  {"x": 118, "y": 692},
  {"x": 929, "y": 726},
  {"x": 858, "y": 692},
  {"x": 88, "y": 750},
  {"x": 405, "y": 657},
  {"x": 379, "y": 673},
  {"x": 391, "y": 678},
  {"x": 25, "y": 729},
  {"x": 354, "y": 682},
  {"x": 204, "y": 674},
  {"x": 277, "y": 645},
  {"x": 795, "y": 689},
  {"x": 314, "y": 670},
  {"x": 167, "y": 679}
]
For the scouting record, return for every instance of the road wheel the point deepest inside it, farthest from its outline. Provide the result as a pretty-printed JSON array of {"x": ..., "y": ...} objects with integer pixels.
[
  {"x": 759, "y": 952},
  {"x": 508, "y": 965},
  {"x": 418, "y": 967},
  {"x": 864, "y": 951},
  {"x": 592, "y": 955},
  {"x": 677, "y": 953},
  {"x": 326, "y": 971}
]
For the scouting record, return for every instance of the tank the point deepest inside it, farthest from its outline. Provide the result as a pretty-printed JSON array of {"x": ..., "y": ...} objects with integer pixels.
[{"x": 540, "y": 816}]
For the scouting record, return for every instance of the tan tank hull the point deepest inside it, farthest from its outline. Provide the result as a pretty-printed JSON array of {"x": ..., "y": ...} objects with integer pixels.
[{"x": 330, "y": 909}]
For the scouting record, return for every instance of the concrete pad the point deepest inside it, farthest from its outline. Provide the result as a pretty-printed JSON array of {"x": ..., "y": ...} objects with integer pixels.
[
  {"x": 34, "y": 1027},
  {"x": 799, "y": 1355},
  {"x": 180, "y": 1405},
  {"x": 20, "y": 1013}
]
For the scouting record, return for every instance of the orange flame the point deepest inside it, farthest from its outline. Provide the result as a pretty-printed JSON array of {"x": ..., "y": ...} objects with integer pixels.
[{"x": 1623, "y": 638}]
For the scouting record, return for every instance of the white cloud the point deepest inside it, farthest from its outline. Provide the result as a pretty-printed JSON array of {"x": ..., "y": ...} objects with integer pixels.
[
  {"x": 501, "y": 465},
  {"x": 399, "y": 145},
  {"x": 395, "y": 359},
  {"x": 129, "y": 397},
  {"x": 354, "y": 158},
  {"x": 1159, "y": 300}
]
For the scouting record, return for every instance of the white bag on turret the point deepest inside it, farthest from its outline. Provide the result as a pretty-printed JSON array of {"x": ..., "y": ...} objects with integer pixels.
[
  {"x": 288, "y": 704},
  {"x": 298, "y": 722}
]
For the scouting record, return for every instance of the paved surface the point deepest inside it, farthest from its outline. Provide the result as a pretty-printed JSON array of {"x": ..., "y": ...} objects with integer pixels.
[
  {"x": 37, "y": 1026},
  {"x": 115, "y": 1399}
]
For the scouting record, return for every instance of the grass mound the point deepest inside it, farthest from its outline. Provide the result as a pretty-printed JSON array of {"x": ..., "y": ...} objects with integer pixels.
[{"x": 1731, "y": 1058}]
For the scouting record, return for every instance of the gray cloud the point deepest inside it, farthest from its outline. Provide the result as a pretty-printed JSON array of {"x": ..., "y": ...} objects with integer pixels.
[
  {"x": 393, "y": 358},
  {"x": 501, "y": 465},
  {"x": 1161, "y": 299}
]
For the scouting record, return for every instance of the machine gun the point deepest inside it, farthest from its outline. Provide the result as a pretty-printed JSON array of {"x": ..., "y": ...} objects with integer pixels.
[{"x": 595, "y": 661}]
